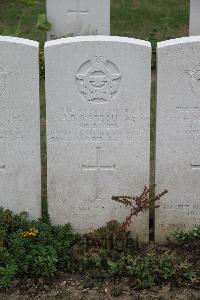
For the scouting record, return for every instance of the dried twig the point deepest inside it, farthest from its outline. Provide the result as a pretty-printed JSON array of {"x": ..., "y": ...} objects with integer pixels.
[{"x": 138, "y": 204}]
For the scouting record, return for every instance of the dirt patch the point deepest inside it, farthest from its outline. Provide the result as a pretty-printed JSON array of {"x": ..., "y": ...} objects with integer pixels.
[{"x": 70, "y": 287}]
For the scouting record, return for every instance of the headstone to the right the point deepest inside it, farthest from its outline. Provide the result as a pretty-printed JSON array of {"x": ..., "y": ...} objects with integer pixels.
[
  {"x": 194, "y": 18},
  {"x": 20, "y": 167},
  {"x": 78, "y": 17},
  {"x": 178, "y": 136}
]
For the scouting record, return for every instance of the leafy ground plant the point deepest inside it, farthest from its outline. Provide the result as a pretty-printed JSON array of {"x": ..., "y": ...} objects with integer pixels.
[
  {"x": 190, "y": 239},
  {"x": 32, "y": 247},
  {"x": 153, "y": 269},
  {"x": 37, "y": 250},
  {"x": 188, "y": 236}
]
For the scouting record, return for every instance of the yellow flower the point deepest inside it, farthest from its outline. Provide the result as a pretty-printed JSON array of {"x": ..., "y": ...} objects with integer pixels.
[{"x": 32, "y": 232}]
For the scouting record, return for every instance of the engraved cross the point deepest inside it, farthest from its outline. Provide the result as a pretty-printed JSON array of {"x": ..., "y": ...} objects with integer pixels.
[
  {"x": 2, "y": 168},
  {"x": 195, "y": 166},
  {"x": 98, "y": 168},
  {"x": 78, "y": 12}
]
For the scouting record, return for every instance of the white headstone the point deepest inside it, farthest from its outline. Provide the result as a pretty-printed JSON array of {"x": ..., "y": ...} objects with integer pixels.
[
  {"x": 194, "y": 17},
  {"x": 78, "y": 17},
  {"x": 98, "y": 98},
  {"x": 19, "y": 126},
  {"x": 178, "y": 136}
]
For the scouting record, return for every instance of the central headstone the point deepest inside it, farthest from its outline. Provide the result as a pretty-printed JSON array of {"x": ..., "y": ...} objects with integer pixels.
[
  {"x": 78, "y": 17},
  {"x": 98, "y": 99}
]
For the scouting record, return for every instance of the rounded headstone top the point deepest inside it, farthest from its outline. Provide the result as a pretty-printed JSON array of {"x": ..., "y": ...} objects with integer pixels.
[
  {"x": 99, "y": 38},
  {"x": 178, "y": 41},
  {"x": 16, "y": 40}
]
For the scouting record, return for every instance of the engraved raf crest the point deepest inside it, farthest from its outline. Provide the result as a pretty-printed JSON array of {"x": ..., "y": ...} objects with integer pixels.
[
  {"x": 98, "y": 80},
  {"x": 194, "y": 79},
  {"x": 3, "y": 76}
]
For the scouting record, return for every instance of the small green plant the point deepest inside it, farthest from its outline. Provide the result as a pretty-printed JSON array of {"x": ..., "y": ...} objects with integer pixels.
[
  {"x": 188, "y": 236},
  {"x": 8, "y": 268},
  {"x": 185, "y": 272},
  {"x": 42, "y": 260},
  {"x": 166, "y": 267},
  {"x": 43, "y": 23},
  {"x": 142, "y": 270},
  {"x": 189, "y": 240}
]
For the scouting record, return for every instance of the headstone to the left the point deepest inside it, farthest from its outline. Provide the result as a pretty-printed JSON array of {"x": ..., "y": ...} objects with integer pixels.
[
  {"x": 19, "y": 126},
  {"x": 78, "y": 17}
]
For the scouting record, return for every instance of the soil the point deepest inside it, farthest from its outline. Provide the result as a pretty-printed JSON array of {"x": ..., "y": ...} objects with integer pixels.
[
  {"x": 68, "y": 286},
  {"x": 64, "y": 285}
]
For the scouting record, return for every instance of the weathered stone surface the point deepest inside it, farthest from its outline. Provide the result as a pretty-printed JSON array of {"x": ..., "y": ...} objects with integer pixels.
[
  {"x": 194, "y": 17},
  {"x": 19, "y": 126},
  {"x": 98, "y": 99},
  {"x": 178, "y": 135},
  {"x": 78, "y": 17}
]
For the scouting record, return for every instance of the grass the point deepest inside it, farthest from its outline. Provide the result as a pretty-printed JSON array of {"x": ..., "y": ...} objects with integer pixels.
[
  {"x": 134, "y": 18},
  {"x": 152, "y": 20},
  {"x": 142, "y": 18},
  {"x": 14, "y": 14}
]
